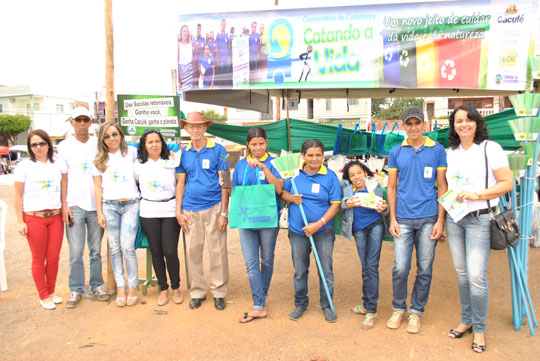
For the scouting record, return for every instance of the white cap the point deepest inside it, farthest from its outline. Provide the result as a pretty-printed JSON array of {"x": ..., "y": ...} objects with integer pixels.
[{"x": 78, "y": 111}]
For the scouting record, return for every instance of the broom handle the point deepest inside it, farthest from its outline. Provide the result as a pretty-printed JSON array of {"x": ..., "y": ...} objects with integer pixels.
[{"x": 314, "y": 250}]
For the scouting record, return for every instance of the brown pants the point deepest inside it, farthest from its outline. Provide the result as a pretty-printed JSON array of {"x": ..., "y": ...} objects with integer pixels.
[{"x": 204, "y": 226}]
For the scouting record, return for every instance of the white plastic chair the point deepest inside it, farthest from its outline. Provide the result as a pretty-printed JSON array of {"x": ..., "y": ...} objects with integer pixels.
[{"x": 3, "y": 277}]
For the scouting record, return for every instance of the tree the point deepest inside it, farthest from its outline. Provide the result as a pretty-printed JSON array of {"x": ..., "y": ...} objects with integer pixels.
[
  {"x": 12, "y": 125},
  {"x": 391, "y": 109},
  {"x": 211, "y": 114}
]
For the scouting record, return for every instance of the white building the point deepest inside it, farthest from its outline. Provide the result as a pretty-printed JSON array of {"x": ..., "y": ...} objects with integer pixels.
[{"x": 48, "y": 112}]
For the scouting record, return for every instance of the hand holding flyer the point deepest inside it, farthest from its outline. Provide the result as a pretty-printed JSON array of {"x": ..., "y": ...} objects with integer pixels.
[{"x": 457, "y": 210}]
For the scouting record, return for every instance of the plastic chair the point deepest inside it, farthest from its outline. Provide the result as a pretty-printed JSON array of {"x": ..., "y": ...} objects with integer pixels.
[{"x": 3, "y": 277}]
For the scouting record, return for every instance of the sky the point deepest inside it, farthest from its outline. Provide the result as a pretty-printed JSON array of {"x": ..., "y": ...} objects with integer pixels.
[{"x": 58, "y": 46}]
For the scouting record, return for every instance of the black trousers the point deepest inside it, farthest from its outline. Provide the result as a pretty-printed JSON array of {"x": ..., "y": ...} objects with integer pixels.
[{"x": 163, "y": 236}]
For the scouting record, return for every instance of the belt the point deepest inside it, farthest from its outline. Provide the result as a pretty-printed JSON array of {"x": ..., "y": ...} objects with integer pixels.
[
  {"x": 479, "y": 212},
  {"x": 160, "y": 200},
  {"x": 44, "y": 214},
  {"x": 119, "y": 200}
]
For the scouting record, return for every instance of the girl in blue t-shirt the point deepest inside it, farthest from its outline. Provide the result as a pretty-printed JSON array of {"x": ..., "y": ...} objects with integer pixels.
[
  {"x": 366, "y": 224},
  {"x": 206, "y": 67},
  {"x": 258, "y": 245}
]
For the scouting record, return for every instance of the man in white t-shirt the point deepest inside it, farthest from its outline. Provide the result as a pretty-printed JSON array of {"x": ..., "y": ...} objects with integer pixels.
[{"x": 76, "y": 155}]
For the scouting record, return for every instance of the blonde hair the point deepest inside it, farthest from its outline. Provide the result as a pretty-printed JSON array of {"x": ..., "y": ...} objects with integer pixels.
[{"x": 102, "y": 158}]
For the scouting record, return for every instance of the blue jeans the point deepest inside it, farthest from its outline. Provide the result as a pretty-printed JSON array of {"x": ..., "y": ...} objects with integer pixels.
[
  {"x": 259, "y": 273},
  {"x": 85, "y": 227},
  {"x": 368, "y": 245},
  {"x": 122, "y": 220},
  {"x": 300, "y": 250},
  {"x": 469, "y": 242},
  {"x": 415, "y": 233}
]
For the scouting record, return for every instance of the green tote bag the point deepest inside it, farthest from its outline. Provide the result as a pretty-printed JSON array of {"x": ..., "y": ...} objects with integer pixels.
[{"x": 253, "y": 207}]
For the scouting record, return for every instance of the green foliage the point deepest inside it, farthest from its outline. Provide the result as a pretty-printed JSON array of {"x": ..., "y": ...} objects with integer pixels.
[
  {"x": 12, "y": 125},
  {"x": 390, "y": 109},
  {"x": 211, "y": 114}
]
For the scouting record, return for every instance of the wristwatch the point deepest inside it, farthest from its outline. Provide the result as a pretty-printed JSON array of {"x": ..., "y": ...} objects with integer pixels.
[{"x": 224, "y": 214}]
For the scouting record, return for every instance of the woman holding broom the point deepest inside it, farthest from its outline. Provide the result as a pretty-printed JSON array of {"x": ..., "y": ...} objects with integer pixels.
[
  {"x": 320, "y": 194},
  {"x": 258, "y": 244}
]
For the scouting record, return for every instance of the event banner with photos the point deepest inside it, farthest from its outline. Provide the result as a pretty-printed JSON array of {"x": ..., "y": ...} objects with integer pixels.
[
  {"x": 473, "y": 44},
  {"x": 138, "y": 113}
]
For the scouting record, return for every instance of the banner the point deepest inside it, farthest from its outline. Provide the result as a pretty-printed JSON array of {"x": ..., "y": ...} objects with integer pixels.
[
  {"x": 473, "y": 44},
  {"x": 136, "y": 113}
]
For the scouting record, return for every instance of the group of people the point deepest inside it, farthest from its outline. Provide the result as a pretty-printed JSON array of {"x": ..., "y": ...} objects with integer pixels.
[
  {"x": 205, "y": 61},
  {"x": 98, "y": 184}
]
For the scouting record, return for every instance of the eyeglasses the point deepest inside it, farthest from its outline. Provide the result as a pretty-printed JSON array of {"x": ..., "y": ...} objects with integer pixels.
[
  {"x": 40, "y": 144},
  {"x": 113, "y": 135},
  {"x": 84, "y": 120},
  {"x": 151, "y": 130}
]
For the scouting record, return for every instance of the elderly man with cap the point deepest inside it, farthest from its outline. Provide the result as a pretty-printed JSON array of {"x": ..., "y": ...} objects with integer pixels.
[
  {"x": 201, "y": 210},
  {"x": 75, "y": 155},
  {"x": 416, "y": 178}
]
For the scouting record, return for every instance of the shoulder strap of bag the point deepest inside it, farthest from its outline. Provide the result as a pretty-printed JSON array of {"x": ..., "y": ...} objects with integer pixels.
[
  {"x": 257, "y": 175},
  {"x": 394, "y": 127},
  {"x": 486, "y": 164}
]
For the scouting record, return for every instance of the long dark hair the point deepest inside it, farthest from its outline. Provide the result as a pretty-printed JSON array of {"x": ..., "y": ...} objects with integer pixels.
[
  {"x": 255, "y": 132},
  {"x": 348, "y": 166},
  {"x": 142, "y": 153},
  {"x": 312, "y": 143},
  {"x": 473, "y": 114},
  {"x": 43, "y": 135}
]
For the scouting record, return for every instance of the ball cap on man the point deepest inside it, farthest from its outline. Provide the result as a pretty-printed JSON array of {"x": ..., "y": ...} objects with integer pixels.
[
  {"x": 195, "y": 118},
  {"x": 80, "y": 111},
  {"x": 413, "y": 113}
]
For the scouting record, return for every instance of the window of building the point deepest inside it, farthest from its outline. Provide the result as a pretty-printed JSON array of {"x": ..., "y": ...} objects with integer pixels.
[
  {"x": 293, "y": 104},
  {"x": 1, "y": 108},
  {"x": 328, "y": 105},
  {"x": 354, "y": 101},
  {"x": 59, "y": 108},
  {"x": 28, "y": 108},
  {"x": 37, "y": 107}
]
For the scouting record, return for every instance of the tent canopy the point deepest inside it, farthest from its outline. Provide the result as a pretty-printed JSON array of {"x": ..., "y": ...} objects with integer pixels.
[{"x": 498, "y": 128}]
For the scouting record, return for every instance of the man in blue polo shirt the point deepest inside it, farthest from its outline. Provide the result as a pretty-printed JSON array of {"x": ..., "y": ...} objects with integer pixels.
[
  {"x": 223, "y": 42},
  {"x": 416, "y": 178},
  {"x": 201, "y": 210}
]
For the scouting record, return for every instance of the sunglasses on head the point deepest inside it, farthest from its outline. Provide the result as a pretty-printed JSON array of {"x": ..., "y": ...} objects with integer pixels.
[
  {"x": 40, "y": 144},
  {"x": 84, "y": 120},
  {"x": 113, "y": 135},
  {"x": 151, "y": 130}
]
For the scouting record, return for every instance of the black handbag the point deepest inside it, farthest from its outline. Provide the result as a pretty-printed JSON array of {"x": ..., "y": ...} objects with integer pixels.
[{"x": 504, "y": 229}]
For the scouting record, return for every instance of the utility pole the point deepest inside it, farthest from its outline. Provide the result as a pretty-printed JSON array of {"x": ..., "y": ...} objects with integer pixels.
[
  {"x": 109, "y": 63},
  {"x": 109, "y": 111},
  {"x": 98, "y": 118}
]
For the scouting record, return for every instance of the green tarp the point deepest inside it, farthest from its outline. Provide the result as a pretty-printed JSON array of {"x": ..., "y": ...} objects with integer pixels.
[{"x": 499, "y": 131}]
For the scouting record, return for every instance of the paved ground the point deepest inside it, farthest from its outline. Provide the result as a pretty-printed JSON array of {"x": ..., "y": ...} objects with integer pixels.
[{"x": 100, "y": 330}]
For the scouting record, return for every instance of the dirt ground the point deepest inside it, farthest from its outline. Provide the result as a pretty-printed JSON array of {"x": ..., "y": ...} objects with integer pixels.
[{"x": 100, "y": 330}]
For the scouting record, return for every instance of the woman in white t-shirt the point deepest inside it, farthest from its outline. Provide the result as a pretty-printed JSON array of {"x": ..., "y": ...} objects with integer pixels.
[
  {"x": 157, "y": 181},
  {"x": 185, "y": 59},
  {"x": 117, "y": 203},
  {"x": 37, "y": 206},
  {"x": 469, "y": 238}
]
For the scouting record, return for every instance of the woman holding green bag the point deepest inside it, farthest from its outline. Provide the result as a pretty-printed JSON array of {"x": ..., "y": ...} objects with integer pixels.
[{"x": 258, "y": 243}]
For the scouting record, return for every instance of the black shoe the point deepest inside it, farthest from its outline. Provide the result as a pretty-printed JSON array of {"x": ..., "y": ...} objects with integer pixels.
[
  {"x": 219, "y": 303},
  {"x": 296, "y": 313},
  {"x": 458, "y": 334},
  {"x": 196, "y": 302},
  {"x": 329, "y": 315}
]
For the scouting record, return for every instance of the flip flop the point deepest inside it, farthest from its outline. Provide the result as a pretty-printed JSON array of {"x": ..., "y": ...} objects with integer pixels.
[
  {"x": 248, "y": 318},
  {"x": 359, "y": 310}
]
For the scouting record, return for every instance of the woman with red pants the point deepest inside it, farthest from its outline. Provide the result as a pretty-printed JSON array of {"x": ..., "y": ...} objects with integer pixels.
[{"x": 37, "y": 205}]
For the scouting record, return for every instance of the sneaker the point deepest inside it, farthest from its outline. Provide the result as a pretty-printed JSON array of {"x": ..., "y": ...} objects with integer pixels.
[
  {"x": 55, "y": 298},
  {"x": 414, "y": 323},
  {"x": 395, "y": 320},
  {"x": 73, "y": 300},
  {"x": 296, "y": 313},
  {"x": 100, "y": 294},
  {"x": 329, "y": 315},
  {"x": 47, "y": 304}
]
